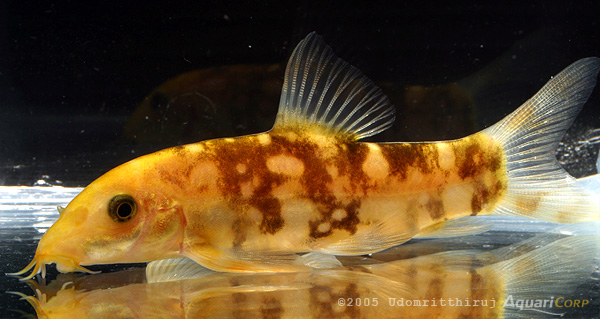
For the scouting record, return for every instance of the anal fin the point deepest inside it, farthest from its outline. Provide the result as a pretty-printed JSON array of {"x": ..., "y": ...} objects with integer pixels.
[
  {"x": 457, "y": 227},
  {"x": 376, "y": 238}
]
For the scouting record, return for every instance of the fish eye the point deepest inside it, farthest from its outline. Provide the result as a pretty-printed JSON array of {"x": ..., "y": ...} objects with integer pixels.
[{"x": 122, "y": 208}]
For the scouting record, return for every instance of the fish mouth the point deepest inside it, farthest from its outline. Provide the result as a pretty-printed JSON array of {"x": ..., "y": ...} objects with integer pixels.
[{"x": 39, "y": 262}]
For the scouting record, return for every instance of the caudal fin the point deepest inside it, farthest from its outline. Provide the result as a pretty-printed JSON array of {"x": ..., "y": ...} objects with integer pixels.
[{"x": 538, "y": 186}]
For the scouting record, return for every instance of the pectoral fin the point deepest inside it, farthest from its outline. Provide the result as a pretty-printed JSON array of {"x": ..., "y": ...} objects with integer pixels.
[
  {"x": 318, "y": 260},
  {"x": 175, "y": 269}
]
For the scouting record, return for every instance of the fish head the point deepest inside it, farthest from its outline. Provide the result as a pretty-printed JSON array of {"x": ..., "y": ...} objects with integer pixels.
[{"x": 122, "y": 217}]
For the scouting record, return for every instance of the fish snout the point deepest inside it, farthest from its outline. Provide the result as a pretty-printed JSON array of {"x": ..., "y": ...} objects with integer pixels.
[
  {"x": 39, "y": 262},
  {"x": 53, "y": 250}
]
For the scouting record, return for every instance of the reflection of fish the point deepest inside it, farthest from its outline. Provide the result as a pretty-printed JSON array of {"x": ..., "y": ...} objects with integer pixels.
[
  {"x": 445, "y": 285},
  {"x": 251, "y": 203},
  {"x": 195, "y": 106},
  {"x": 199, "y": 105}
]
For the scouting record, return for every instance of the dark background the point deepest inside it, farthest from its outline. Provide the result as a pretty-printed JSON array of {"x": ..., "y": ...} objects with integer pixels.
[{"x": 72, "y": 72}]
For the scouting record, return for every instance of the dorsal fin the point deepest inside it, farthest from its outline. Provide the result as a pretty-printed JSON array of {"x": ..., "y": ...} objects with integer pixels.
[{"x": 322, "y": 92}]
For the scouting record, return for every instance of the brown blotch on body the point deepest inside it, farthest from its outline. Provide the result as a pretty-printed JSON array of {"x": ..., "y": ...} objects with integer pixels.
[
  {"x": 172, "y": 177},
  {"x": 315, "y": 178},
  {"x": 351, "y": 165},
  {"x": 495, "y": 161},
  {"x": 316, "y": 181},
  {"x": 253, "y": 155},
  {"x": 271, "y": 211},
  {"x": 475, "y": 155},
  {"x": 314, "y": 230},
  {"x": 406, "y": 156},
  {"x": 435, "y": 207},
  {"x": 471, "y": 161},
  {"x": 348, "y": 223},
  {"x": 180, "y": 151},
  {"x": 476, "y": 205},
  {"x": 177, "y": 170},
  {"x": 484, "y": 196},
  {"x": 481, "y": 197},
  {"x": 351, "y": 220}
]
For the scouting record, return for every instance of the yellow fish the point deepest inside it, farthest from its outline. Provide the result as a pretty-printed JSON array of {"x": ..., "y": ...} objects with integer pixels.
[
  {"x": 444, "y": 285},
  {"x": 253, "y": 203}
]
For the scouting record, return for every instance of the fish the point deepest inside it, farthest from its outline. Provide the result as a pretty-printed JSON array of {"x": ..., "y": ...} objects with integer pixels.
[
  {"x": 255, "y": 203},
  {"x": 455, "y": 284}
]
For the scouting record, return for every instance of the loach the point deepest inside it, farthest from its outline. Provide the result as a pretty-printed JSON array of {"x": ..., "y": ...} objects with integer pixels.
[{"x": 253, "y": 203}]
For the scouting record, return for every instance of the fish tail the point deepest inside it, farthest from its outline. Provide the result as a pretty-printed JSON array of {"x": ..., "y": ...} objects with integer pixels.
[
  {"x": 537, "y": 186},
  {"x": 592, "y": 183},
  {"x": 537, "y": 284}
]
